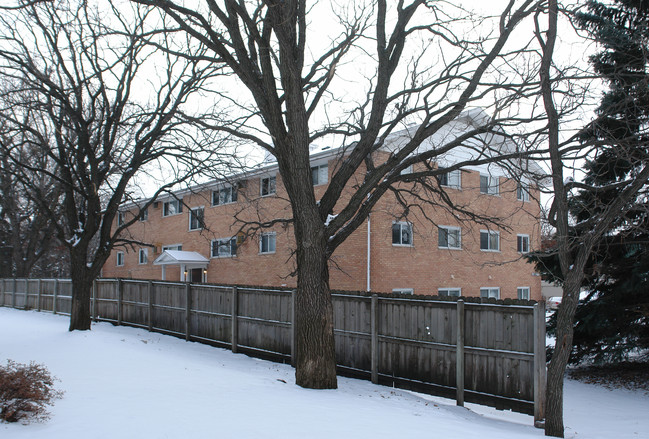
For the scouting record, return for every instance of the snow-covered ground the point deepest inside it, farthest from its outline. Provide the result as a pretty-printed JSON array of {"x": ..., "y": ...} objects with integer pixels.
[{"x": 123, "y": 382}]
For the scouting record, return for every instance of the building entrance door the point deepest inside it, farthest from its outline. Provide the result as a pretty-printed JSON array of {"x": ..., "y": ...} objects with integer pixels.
[{"x": 196, "y": 275}]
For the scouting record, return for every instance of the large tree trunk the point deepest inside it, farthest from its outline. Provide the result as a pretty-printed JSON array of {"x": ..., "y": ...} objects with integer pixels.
[
  {"x": 82, "y": 280},
  {"x": 315, "y": 362},
  {"x": 315, "y": 366}
]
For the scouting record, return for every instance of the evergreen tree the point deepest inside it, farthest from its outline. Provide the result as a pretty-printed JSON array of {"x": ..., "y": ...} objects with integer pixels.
[{"x": 613, "y": 321}]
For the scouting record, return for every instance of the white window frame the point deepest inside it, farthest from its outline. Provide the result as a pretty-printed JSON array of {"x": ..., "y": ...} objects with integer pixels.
[
  {"x": 267, "y": 236},
  {"x": 490, "y": 233},
  {"x": 271, "y": 186},
  {"x": 143, "y": 256},
  {"x": 449, "y": 229},
  {"x": 451, "y": 176},
  {"x": 178, "y": 206},
  {"x": 229, "y": 199},
  {"x": 172, "y": 247},
  {"x": 493, "y": 184},
  {"x": 120, "y": 218},
  {"x": 489, "y": 292},
  {"x": 318, "y": 173},
  {"x": 519, "y": 290},
  {"x": 200, "y": 220},
  {"x": 403, "y": 290},
  {"x": 446, "y": 292},
  {"x": 401, "y": 224},
  {"x": 119, "y": 262},
  {"x": 144, "y": 214},
  {"x": 222, "y": 242},
  {"x": 523, "y": 191},
  {"x": 522, "y": 239}
]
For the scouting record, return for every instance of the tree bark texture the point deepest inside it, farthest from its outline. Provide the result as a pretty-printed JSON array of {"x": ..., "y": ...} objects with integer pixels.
[
  {"x": 315, "y": 365},
  {"x": 81, "y": 293},
  {"x": 563, "y": 347},
  {"x": 82, "y": 279}
]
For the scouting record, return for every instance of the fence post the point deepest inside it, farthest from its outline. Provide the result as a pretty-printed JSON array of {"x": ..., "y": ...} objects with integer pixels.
[
  {"x": 150, "y": 308},
  {"x": 93, "y": 303},
  {"x": 120, "y": 298},
  {"x": 539, "y": 365},
  {"x": 188, "y": 308},
  {"x": 459, "y": 355},
  {"x": 375, "y": 337},
  {"x": 56, "y": 293},
  {"x": 13, "y": 294},
  {"x": 26, "y": 294},
  {"x": 235, "y": 325},
  {"x": 293, "y": 293},
  {"x": 40, "y": 293}
]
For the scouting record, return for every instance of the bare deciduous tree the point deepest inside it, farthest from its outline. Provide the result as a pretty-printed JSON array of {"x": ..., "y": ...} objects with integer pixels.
[
  {"x": 95, "y": 104},
  {"x": 409, "y": 64}
]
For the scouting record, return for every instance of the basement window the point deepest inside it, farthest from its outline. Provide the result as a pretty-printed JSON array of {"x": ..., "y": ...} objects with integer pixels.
[
  {"x": 490, "y": 293},
  {"x": 449, "y": 292}
]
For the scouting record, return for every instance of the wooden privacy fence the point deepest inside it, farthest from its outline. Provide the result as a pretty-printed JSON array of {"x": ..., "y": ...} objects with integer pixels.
[{"x": 487, "y": 353}]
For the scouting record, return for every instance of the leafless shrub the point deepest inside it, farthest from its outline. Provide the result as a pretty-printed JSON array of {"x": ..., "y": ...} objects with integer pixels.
[{"x": 25, "y": 391}]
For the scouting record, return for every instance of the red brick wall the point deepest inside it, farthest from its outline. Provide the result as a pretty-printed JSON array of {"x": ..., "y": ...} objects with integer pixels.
[{"x": 423, "y": 266}]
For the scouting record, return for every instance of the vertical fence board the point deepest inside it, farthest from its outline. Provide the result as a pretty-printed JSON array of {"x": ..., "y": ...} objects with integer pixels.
[
  {"x": 459, "y": 355},
  {"x": 234, "y": 314}
]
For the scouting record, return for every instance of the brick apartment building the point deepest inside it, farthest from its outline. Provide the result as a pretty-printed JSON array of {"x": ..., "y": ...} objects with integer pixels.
[{"x": 193, "y": 236}]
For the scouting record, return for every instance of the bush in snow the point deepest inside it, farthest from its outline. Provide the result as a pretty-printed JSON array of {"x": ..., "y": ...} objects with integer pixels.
[{"x": 25, "y": 390}]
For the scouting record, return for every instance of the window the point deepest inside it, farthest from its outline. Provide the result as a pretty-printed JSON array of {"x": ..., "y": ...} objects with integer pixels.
[
  {"x": 143, "y": 256},
  {"x": 196, "y": 218},
  {"x": 522, "y": 243},
  {"x": 120, "y": 219},
  {"x": 268, "y": 186},
  {"x": 449, "y": 237},
  {"x": 120, "y": 259},
  {"x": 489, "y": 241},
  {"x": 172, "y": 247},
  {"x": 403, "y": 290},
  {"x": 523, "y": 191},
  {"x": 489, "y": 185},
  {"x": 490, "y": 293},
  {"x": 144, "y": 214},
  {"x": 449, "y": 292},
  {"x": 523, "y": 293},
  {"x": 401, "y": 233},
  {"x": 172, "y": 207},
  {"x": 320, "y": 174},
  {"x": 224, "y": 248},
  {"x": 267, "y": 242},
  {"x": 224, "y": 195},
  {"x": 451, "y": 179}
]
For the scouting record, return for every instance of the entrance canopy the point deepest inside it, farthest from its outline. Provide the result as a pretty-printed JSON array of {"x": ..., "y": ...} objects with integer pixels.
[{"x": 186, "y": 260}]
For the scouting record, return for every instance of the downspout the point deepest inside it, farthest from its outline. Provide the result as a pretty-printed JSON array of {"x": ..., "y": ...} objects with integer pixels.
[{"x": 369, "y": 247}]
